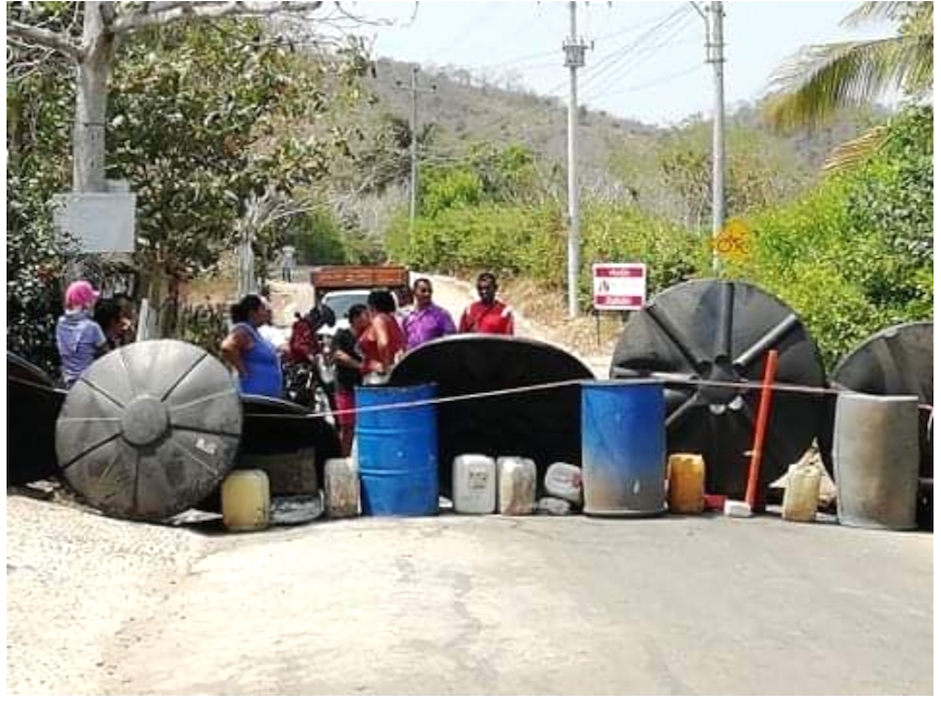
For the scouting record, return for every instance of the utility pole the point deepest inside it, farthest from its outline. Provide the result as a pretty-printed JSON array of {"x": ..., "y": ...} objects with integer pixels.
[
  {"x": 413, "y": 144},
  {"x": 714, "y": 56},
  {"x": 575, "y": 59}
]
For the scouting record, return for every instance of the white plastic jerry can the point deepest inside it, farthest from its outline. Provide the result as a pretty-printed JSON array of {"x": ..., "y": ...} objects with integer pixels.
[
  {"x": 474, "y": 484},
  {"x": 341, "y": 488},
  {"x": 564, "y": 481},
  {"x": 246, "y": 500},
  {"x": 516, "y": 485}
]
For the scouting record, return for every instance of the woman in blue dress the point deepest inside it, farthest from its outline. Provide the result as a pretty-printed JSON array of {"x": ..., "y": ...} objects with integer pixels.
[{"x": 254, "y": 359}]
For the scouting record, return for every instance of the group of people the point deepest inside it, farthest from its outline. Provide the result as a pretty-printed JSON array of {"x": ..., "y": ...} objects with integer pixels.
[
  {"x": 90, "y": 327},
  {"x": 363, "y": 353}
]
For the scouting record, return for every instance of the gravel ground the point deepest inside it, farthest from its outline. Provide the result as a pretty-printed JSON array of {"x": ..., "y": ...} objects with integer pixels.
[{"x": 74, "y": 579}]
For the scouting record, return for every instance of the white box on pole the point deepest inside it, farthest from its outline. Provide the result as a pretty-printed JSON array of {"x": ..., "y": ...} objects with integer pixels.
[{"x": 101, "y": 221}]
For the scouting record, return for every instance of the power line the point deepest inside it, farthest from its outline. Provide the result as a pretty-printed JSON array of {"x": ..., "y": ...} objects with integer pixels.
[
  {"x": 641, "y": 57},
  {"x": 611, "y": 59},
  {"x": 662, "y": 23},
  {"x": 640, "y": 47},
  {"x": 554, "y": 52},
  {"x": 540, "y": 55},
  {"x": 632, "y": 27},
  {"x": 471, "y": 29},
  {"x": 661, "y": 80}
]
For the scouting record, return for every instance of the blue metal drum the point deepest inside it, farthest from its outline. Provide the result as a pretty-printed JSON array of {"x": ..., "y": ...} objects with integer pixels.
[
  {"x": 398, "y": 451},
  {"x": 623, "y": 448}
]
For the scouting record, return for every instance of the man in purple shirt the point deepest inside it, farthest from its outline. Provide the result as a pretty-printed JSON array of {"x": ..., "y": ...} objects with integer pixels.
[{"x": 427, "y": 320}]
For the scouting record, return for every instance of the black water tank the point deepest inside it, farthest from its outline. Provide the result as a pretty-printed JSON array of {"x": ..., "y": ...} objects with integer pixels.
[
  {"x": 896, "y": 361},
  {"x": 542, "y": 425},
  {"x": 150, "y": 429},
  {"x": 721, "y": 331},
  {"x": 33, "y": 404}
]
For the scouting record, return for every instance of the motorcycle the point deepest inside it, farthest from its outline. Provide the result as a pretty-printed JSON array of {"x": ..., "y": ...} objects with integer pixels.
[
  {"x": 308, "y": 382},
  {"x": 304, "y": 385}
]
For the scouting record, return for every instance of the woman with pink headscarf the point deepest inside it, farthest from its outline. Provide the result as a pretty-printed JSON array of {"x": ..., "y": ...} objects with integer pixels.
[{"x": 79, "y": 339}]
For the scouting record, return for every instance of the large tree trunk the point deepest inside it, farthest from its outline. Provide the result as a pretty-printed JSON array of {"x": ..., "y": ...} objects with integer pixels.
[{"x": 91, "y": 103}]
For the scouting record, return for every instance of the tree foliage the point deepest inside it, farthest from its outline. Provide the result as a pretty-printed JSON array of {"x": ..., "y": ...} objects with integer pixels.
[
  {"x": 855, "y": 254},
  {"x": 491, "y": 212},
  {"x": 820, "y": 79},
  {"x": 39, "y": 104},
  {"x": 199, "y": 121},
  {"x": 194, "y": 122},
  {"x": 759, "y": 172}
]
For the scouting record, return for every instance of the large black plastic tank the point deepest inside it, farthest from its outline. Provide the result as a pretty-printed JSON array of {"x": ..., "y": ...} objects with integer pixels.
[
  {"x": 276, "y": 427},
  {"x": 150, "y": 429},
  {"x": 33, "y": 404},
  {"x": 721, "y": 331},
  {"x": 543, "y": 425}
]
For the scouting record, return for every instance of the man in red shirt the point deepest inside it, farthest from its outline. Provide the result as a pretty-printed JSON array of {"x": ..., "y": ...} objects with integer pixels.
[{"x": 487, "y": 315}]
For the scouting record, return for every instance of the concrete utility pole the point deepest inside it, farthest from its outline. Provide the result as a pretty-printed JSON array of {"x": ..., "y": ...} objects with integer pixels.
[
  {"x": 714, "y": 47},
  {"x": 413, "y": 146},
  {"x": 718, "y": 128},
  {"x": 574, "y": 59}
]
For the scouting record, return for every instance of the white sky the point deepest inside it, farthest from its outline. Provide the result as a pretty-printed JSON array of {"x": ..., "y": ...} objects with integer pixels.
[{"x": 648, "y": 58}]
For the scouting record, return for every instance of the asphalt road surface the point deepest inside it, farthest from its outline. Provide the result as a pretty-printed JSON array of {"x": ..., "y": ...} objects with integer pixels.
[
  {"x": 542, "y": 605},
  {"x": 456, "y": 604}
]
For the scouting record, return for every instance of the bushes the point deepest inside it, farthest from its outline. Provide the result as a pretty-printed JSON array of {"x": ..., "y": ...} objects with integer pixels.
[
  {"x": 623, "y": 234},
  {"x": 852, "y": 256},
  {"x": 509, "y": 239},
  {"x": 855, "y": 255}
]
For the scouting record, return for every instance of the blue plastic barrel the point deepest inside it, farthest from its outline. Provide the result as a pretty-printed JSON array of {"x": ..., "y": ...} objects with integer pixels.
[
  {"x": 398, "y": 451},
  {"x": 623, "y": 448}
]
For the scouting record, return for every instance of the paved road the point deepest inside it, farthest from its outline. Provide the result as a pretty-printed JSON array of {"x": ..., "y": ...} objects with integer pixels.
[{"x": 542, "y": 605}]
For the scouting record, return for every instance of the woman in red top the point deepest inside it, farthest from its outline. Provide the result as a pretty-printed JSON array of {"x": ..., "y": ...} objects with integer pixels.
[{"x": 383, "y": 342}]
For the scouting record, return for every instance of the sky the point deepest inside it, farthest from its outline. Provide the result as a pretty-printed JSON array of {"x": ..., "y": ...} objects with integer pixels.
[{"x": 648, "y": 58}]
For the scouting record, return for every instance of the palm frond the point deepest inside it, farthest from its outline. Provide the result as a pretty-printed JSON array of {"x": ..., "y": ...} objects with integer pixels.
[
  {"x": 818, "y": 80},
  {"x": 852, "y": 153},
  {"x": 876, "y": 11}
]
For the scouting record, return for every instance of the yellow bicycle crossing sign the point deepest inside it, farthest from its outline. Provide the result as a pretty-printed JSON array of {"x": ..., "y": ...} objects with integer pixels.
[{"x": 733, "y": 241}]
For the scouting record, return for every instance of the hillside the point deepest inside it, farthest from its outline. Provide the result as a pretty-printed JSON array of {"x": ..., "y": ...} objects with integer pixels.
[
  {"x": 467, "y": 111},
  {"x": 618, "y": 158}
]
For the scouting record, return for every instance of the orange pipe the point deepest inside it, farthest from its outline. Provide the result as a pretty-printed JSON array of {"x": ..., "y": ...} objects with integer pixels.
[{"x": 764, "y": 406}]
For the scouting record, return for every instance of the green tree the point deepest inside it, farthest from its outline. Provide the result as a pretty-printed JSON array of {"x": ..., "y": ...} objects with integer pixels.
[
  {"x": 318, "y": 237},
  {"x": 196, "y": 125},
  {"x": 854, "y": 255},
  {"x": 194, "y": 122},
  {"x": 39, "y": 103},
  {"x": 760, "y": 172}
]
